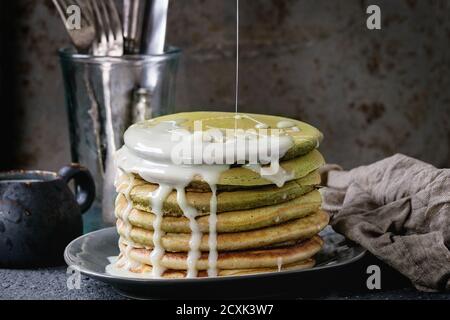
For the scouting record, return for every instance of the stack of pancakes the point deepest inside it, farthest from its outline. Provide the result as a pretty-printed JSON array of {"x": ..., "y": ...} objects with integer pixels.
[{"x": 261, "y": 227}]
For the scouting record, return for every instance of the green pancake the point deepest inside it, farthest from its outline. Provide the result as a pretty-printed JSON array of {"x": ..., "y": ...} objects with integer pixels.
[
  {"x": 244, "y": 178},
  {"x": 304, "y": 140},
  {"x": 233, "y": 221},
  {"x": 294, "y": 230},
  {"x": 233, "y": 261},
  {"x": 146, "y": 269},
  {"x": 226, "y": 200}
]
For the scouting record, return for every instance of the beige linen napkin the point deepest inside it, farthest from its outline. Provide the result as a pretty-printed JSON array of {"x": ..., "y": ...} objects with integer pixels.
[{"x": 398, "y": 209}]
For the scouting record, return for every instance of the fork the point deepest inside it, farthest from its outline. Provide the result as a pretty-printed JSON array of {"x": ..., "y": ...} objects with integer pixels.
[
  {"x": 109, "y": 36},
  {"x": 84, "y": 37}
]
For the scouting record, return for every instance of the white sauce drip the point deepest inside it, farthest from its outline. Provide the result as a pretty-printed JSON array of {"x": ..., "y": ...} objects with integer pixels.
[
  {"x": 114, "y": 269},
  {"x": 177, "y": 177},
  {"x": 161, "y": 143},
  {"x": 157, "y": 199},
  {"x": 261, "y": 126},
  {"x": 279, "y": 178},
  {"x": 212, "y": 239},
  {"x": 147, "y": 153},
  {"x": 284, "y": 124},
  {"x": 280, "y": 263},
  {"x": 196, "y": 236},
  {"x": 129, "y": 207},
  {"x": 126, "y": 261}
]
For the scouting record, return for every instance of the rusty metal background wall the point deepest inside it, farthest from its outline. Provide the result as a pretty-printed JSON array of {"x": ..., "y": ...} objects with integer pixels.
[{"x": 372, "y": 93}]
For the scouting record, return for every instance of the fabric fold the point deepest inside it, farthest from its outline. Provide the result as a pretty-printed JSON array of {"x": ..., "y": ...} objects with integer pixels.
[{"x": 399, "y": 209}]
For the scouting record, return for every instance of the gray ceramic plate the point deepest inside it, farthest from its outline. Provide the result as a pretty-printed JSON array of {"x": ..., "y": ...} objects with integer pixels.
[{"x": 90, "y": 254}]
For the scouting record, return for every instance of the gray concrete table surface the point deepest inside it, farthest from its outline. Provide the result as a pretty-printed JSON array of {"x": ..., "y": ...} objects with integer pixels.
[{"x": 52, "y": 284}]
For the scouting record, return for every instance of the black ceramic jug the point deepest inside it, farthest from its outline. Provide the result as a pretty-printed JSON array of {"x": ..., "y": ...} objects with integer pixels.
[{"x": 39, "y": 214}]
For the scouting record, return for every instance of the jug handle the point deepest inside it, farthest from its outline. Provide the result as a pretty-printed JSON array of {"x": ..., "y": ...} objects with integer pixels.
[{"x": 84, "y": 182}]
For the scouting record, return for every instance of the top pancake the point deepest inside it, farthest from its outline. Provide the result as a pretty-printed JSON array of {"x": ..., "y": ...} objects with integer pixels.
[
  {"x": 304, "y": 136},
  {"x": 151, "y": 147}
]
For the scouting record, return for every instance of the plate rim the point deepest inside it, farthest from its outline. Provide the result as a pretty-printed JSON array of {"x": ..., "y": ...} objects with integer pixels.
[{"x": 108, "y": 277}]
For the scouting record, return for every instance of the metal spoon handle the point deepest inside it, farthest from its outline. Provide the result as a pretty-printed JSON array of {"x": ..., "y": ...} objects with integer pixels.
[{"x": 154, "y": 30}]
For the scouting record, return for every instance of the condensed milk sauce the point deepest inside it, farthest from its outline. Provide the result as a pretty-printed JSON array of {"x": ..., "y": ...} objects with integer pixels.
[{"x": 148, "y": 153}]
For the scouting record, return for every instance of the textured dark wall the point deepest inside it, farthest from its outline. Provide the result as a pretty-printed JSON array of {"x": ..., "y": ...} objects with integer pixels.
[{"x": 372, "y": 93}]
